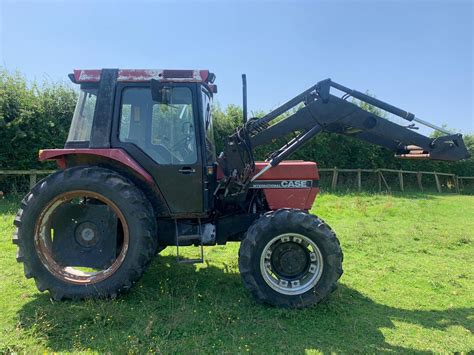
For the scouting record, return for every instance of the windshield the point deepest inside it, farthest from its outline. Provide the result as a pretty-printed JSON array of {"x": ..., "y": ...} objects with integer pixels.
[
  {"x": 207, "y": 115},
  {"x": 81, "y": 125}
]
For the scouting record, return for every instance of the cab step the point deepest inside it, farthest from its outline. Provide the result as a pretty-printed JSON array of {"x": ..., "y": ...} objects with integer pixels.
[{"x": 189, "y": 237}]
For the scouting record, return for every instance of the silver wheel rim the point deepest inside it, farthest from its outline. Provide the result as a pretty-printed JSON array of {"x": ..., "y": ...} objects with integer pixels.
[{"x": 298, "y": 284}]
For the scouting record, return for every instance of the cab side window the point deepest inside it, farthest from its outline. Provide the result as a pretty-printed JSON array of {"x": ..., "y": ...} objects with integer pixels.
[{"x": 165, "y": 132}]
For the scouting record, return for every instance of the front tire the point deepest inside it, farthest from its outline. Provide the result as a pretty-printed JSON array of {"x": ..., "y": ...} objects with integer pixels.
[
  {"x": 91, "y": 186},
  {"x": 289, "y": 258}
]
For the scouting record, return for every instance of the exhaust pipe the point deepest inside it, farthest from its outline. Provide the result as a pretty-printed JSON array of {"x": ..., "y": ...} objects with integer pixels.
[{"x": 244, "y": 97}]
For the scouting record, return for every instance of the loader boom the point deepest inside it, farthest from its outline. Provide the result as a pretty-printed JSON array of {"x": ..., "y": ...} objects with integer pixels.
[{"x": 318, "y": 110}]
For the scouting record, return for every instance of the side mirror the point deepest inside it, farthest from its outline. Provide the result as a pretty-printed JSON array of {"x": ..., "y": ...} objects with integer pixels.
[{"x": 161, "y": 93}]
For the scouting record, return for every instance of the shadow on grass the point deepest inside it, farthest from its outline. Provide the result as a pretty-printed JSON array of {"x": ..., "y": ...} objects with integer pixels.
[{"x": 175, "y": 308}]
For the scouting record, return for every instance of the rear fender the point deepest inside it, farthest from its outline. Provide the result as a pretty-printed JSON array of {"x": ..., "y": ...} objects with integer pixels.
[
  {"x": 114, "y": 159},
  {"x": 119, "y": 155}
]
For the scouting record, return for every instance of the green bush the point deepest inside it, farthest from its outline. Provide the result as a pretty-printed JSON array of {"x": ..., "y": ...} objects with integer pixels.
[
  {"x": 35, "y": 116},
  {"x": 32, "y": 117}
]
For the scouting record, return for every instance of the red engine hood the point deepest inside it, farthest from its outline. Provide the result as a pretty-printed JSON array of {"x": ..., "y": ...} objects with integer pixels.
[
  {"x": 284, "y": 174},
  {"x": 287, "y": 170}
]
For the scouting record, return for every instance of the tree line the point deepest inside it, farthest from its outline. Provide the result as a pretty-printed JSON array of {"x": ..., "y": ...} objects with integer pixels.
[{"x": 34, "y": 116}]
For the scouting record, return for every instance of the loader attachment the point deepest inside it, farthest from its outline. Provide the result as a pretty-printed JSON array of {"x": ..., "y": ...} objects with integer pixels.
[
  {"x": 337, "y": 115},
  {"x": 317, "y": 110}
]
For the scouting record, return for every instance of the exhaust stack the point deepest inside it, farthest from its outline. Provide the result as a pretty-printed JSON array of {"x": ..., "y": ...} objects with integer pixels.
[{"x": 244, "y": 97}]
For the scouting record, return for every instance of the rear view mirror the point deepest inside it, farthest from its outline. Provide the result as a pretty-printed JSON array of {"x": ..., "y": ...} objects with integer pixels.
[{"x": 161, "y": 93}]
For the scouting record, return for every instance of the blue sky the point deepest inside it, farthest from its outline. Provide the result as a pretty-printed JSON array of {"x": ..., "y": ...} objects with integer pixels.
[{"x": 415, "y": 54}]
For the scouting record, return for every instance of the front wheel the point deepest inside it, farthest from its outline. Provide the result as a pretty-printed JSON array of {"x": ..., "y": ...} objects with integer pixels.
[{"x": 290, "y": 258}]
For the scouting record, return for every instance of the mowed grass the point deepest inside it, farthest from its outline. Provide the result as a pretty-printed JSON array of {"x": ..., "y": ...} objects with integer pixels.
[{"x": 407, "y": 287}]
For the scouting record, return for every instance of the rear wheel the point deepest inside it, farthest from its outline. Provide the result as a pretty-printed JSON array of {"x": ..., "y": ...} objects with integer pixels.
[
  {"x": 290, "y": 258},
  {"x": 85, "y": 232}
]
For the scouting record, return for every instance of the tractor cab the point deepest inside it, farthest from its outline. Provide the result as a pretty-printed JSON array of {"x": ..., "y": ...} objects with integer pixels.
[{"x": 161, "y": 118}]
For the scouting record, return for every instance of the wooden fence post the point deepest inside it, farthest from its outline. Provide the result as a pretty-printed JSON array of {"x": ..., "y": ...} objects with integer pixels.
[
  {"x": 32, "y": 180},
  {"x": 334, "y": 179},
  {"x": 359, "y": 180},
  {"x": 400, "y": 178},
  {"x": 384, "y": 181},
  {"x": 418, "y": 178},
  {"x": 379, "y": 179},
  {"x": 456, "y": 183},
  {"x": 438, "y": 185}
]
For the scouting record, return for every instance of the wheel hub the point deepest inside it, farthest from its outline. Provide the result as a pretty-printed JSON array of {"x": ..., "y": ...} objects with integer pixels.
[
  {"x": 289, "y": 259},
  {"x": 87, "y": 234},
  {"x": 291, "y": 264},
  {"x": 84, "y": 235}
]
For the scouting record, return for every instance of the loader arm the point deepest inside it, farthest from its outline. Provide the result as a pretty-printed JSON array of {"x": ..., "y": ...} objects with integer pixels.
[{"x": 318, "y": 110}]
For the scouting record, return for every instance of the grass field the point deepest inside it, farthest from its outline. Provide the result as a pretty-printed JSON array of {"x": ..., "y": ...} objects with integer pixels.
[{"x": 407, "y": 287}]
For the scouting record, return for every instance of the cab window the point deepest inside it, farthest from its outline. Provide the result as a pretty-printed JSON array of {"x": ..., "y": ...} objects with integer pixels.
[
  {"x": 81, "y": 125},
  {"x": 165, "y": 132},
  {"x": 207, "y": 116}
]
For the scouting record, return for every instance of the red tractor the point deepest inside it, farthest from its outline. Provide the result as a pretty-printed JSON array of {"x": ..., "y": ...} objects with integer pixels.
[{"x": 139, "y": 172}]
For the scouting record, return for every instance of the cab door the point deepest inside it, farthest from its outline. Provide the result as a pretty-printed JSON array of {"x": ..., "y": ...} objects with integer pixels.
[{"x": 163, "y": 138}]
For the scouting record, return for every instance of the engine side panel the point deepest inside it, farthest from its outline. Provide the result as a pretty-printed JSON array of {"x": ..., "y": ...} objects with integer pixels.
[{"x": 291, "y": 184}]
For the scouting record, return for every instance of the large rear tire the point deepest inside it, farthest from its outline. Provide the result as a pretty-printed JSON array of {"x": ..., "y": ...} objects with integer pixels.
[
  {"x": 289, "y": 258},
  {"x": 136, "y": 229}
]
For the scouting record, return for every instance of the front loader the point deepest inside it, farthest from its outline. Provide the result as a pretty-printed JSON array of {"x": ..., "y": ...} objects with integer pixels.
[{"x": 139, "y": 172}]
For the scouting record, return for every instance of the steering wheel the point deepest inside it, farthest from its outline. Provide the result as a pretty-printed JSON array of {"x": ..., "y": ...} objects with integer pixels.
[
  {"x": 165, "y": 154},
  {"x": 182, "y": 147}
]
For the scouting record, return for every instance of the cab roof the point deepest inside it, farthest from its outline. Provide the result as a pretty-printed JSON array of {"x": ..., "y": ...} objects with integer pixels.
[{"x": 80, "y": 76}]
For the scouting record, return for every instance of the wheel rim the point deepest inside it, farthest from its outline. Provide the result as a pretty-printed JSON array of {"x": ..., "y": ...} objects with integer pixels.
[
  {"x": 84, "y": 235},
  {"x": 291, "y": 264}
]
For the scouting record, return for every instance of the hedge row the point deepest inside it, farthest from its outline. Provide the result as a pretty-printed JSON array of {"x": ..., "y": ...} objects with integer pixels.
[{"x": 34, "y": 116}]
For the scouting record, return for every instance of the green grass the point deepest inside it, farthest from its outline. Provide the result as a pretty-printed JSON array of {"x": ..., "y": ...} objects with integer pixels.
[{"x": 407, "y": 287}]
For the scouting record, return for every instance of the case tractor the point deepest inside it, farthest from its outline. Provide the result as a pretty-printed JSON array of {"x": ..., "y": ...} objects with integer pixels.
[{"x": 139, "y": 172}]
